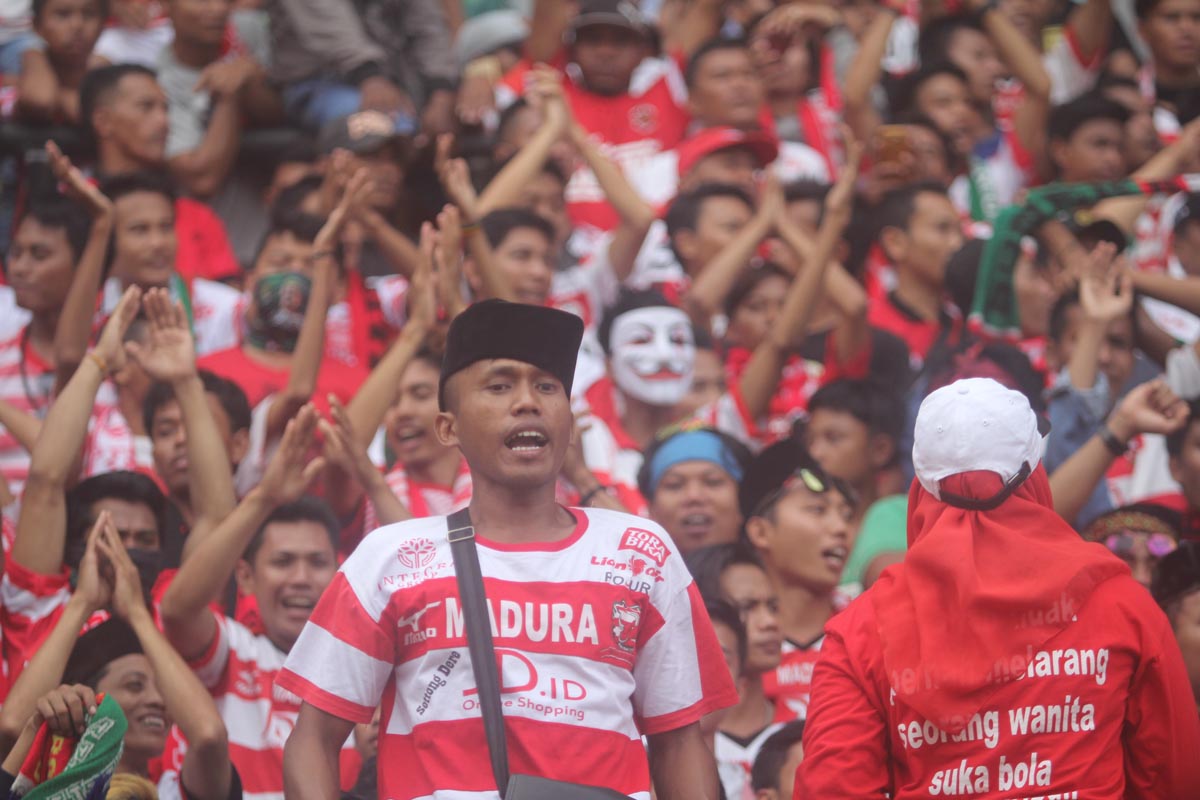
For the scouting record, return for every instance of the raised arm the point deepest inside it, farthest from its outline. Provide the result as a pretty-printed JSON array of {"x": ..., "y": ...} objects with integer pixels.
[
  {"x": 310, "y": 757},
  {"x": 310, "y": 344},
  {"x": 1105, "y": 294},
  {"x": 1167, "y": 163},
  {"x": 207, "y": 570},
  {"x": 37, "y": 89},
  {"x": 75, "y": 322},
  {"x": 682, "y": 765},
  {"x": 718, "y": 276},
  {"x": 687, "y": 24},
  {"x": 206, "y": 773},
  {"x": 1025, "y": 61},
  {"x": 169, "y": 356},
  {"x": 41, "y": 526},
  {"x": 1091, "y": 26},
  {"x": 547, "y": 24},
  {"x": 23, "y": 426},
  {"x": 864, "y": 73},
  {"x": 761, "y": 376},
  {"x": 1181, "y": 292},
  {"x": 1150, "y": 407},
  {"x": 45, "y": 669}
]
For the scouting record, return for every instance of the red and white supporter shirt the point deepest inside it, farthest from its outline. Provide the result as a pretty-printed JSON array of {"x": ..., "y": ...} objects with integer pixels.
[
  {"x": 30, "y": 605},
  {"x": 240, "y": 671},
  {"x": 601, "y": 637},
  {"x": 26, "y": 383}
]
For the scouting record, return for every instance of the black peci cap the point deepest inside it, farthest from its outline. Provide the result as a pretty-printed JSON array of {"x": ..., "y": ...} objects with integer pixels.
[
  {"x": 774, "y": 469},
  {"x": 97, "y": 648},
  {"x": 547, "y": 338}
]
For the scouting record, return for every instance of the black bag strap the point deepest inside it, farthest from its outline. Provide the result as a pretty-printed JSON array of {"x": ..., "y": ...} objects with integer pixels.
[{"x": 479, "y": 640}]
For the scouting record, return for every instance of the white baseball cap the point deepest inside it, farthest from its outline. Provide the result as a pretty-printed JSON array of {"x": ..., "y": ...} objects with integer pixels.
[{"x": 976, "y": 424}]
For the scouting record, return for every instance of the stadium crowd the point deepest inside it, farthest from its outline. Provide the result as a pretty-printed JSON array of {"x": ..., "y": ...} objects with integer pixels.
[{"x": 233, "y": 254}]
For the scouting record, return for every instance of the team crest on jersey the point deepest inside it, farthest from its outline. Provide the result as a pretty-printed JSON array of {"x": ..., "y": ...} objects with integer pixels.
[
  {"x": 643, "y": 118},
  {"x": 626, "y": 617},
  {"x": 417, "y": 553},
  {"x": 646, "y": 543}
]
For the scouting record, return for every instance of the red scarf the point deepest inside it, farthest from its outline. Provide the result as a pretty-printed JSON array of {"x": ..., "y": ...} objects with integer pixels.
[{"x": 980, "y": 589}]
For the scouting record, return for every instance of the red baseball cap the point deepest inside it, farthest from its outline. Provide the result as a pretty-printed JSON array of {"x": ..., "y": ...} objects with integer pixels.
[{"x": 710, "y": 140}]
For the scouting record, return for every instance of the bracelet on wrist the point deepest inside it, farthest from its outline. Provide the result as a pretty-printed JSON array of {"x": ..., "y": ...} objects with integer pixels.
[
  {"x": 1112, "y": 441},
  {"x": 99, "y": 361}
]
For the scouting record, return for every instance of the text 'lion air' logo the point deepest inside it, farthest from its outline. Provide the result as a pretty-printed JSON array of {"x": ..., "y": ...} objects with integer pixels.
[
  {"x": 416, "y": 554},
  {"x": 646, "y": 543}
]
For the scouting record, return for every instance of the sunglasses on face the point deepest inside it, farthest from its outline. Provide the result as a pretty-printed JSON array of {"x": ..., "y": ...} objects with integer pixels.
[{"x": 1157, "y": 544}]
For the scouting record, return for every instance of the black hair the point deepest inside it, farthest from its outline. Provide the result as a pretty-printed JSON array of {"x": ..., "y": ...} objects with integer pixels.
[
  {"x": 301, "y": 150},
  {"x": 684, "y": 212},
  {"x": 1109, "y": 80},
  {"x": 873, "y": 404},
  {"x": 132, "y": 487},
  {"x": 231, "y": 397},
  {"x": 740, "y": 454},
  {"x": 904, "y": 96},
  {"x": 915, "y": 119},
  {"x": 40, "y": 5},
  {"x": 1066, "y": 119},
  {"x": 748, "y": 281},
  {"x": 117, "y": 186},
  {"x": 897, "y": 207},
  {"x": 1143, "y": 8},
  {"x": 306, "y": 509},
  {"x": 1058, "y": 314},
  {"x": 300, "y": 224},
  {"x": 1176, "y": 575},
  {"x": 628, "y": 300},
  {"x": 935, "y": 38},
  {"x": 59, "y": 213},
  {"x": 720, "y": 612},
  {"x": 500, "y": 223},
  {"x": 773, "y": 755},
  {"x": 713, "y": 45},
  {"x": 708, "y": 564},
  {"x": 291, "y": 199},
  {"x": 98, "y": 86},
  {"x": 1175, "y": 440}
]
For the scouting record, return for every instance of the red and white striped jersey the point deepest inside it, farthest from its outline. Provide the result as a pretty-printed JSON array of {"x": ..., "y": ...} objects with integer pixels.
[
  {"x": 26, "y": 384},
  {"x": 240, "y": 669},
  {"x": 601, "y": 637},
  {"x": 30, "y": 605}
]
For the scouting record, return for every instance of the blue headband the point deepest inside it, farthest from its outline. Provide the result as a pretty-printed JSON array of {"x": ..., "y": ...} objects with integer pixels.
[{"x": 693, "y": 446}]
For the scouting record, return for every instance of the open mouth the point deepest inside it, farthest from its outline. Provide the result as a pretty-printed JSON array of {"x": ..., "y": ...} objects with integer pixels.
[
  {"x": 526, "y": 442},
  {"x": 299, "y": 603},
  {"x": 153, "y": 722},
  {"x": 835, "y": 557},
  {"x": 696, "y": 524}
]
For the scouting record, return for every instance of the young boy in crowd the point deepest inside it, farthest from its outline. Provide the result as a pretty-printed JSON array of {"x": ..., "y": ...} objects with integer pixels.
[
  {"x": 48, "y": 87},
  {"x": 774, "y": 772},
  {"x": 919, "y": 231},
  {"x": 853, "y": 433},
  {"x": 1087, "y": 139},
  {"x": 798, "y": 519}
]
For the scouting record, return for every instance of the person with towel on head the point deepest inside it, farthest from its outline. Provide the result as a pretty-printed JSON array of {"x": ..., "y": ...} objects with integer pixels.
[{"x": 1005, "y": 657}]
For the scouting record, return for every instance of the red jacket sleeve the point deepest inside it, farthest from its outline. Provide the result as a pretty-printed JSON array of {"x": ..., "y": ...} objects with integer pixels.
[
  {"x": 1162, "y": 729},
  {"x": 846, "y": 731}
]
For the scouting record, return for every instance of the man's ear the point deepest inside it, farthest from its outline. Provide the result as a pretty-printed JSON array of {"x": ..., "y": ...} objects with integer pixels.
[
  {"x": 239, "y": 444},
  {"x": 894, "y": 242},
  {"x": 758, "y": 532},
  {"x": 244, "y": 575},
  {"x": 445, "y": 427},
  {"x": 880, "y": 450}
]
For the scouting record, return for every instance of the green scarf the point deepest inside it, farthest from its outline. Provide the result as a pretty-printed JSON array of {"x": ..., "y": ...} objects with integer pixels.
[
  {"x": 90, "y": 761},
  {"x": 994, "y": 310}
]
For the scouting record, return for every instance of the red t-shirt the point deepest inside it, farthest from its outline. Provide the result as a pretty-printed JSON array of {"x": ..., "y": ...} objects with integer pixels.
[
  {"x": 632, "y": 128},
  {"x": 203, "y": 250},
  {"x": 259, "y": 381},
  {"x": 892, "y": 315},
  {"x": 1104, "y": 711}
]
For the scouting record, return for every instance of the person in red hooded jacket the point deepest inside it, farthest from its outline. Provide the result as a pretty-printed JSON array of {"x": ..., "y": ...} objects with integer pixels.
[{"x": 1006, "y": 657}]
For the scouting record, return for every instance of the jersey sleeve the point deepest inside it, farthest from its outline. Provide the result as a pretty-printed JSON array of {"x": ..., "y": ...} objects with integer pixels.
[
  {"x": 211, "y": 665},
  {"x": 30, "y": 605},
  {"x": 845, "y": 732},
  {"x": 1162, "y": 731},
  {"x": 343, "y": 659},
  {"x": 680, "y": 673}
]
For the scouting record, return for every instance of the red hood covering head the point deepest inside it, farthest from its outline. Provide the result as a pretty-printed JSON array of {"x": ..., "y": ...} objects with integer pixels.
[{"x": 979, "y": 593}]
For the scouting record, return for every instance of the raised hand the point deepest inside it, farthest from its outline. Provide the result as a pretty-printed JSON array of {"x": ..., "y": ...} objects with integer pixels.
[
  {"x": 66, "y": 710},
  {"x": 168, "y": 354},
  {"x": 839, "y": 203},
  {"x": 455, "y": 177},
  {"x": 543, "y": 91},
  {"x": 94, "y": 583},
  {"x": 422, "y": 291},
  {"x": 341, "y": 448},
  {"x": 288, "y": 474},
  {"x": 1105, "y": 288},
  {"x": 78, "y": 187},
  {"x": 1149, "y": 407},
  {"x": 357, "y": 188},
  {"x": 109, "y": 349},
  {"x": 128, "y": 596}
]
